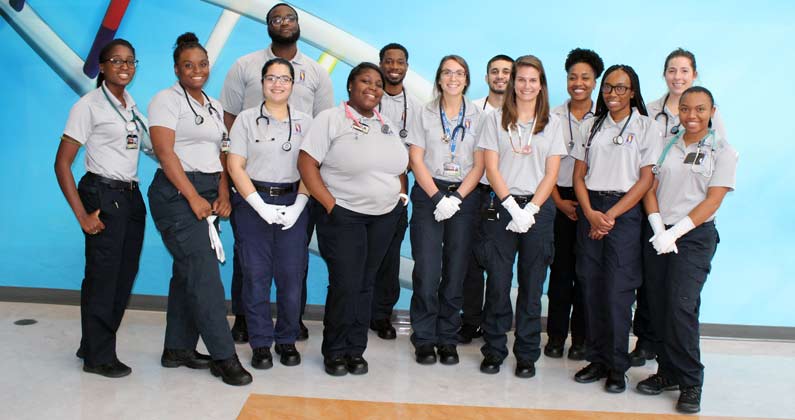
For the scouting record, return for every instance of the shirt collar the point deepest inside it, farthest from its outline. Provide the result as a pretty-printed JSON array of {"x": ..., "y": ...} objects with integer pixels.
[
  {"x": 116, "y": 102},
  {"x": 298, "y": 59}
]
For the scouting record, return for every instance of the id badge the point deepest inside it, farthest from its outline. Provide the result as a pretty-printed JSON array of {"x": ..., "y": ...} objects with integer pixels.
[
  {"x": 132, "y": 141},
  {"x": 695, "y": 158},
  {"x": 225, "y": 143},
  {"x": 451, "y": 169},
  {"x": 491, "y": 214}
]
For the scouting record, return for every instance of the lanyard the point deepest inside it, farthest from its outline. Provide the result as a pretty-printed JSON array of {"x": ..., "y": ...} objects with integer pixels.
[
  {"x": 449, "y": 136},
  {"x": 657, "y": 167},
  {"x": 131, "y": 125}
]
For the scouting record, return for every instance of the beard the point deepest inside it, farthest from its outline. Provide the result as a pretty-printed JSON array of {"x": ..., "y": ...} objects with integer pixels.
[
  {"x": 277, "y": 38},
  {"x": 394, "y": 82},
  {"x": 497, "y": 91}
]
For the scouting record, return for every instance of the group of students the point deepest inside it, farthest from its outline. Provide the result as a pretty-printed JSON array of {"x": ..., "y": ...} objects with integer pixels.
[{"x": 494, "y": 179}]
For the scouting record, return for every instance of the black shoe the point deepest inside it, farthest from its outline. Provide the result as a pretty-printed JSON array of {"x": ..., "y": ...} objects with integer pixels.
[
  {"x": 591, "y": 373},
  {"x": 448, "y": 354},
  {"x": 261, "y": 358},
  {"x": 303, "y": 331},
  {"x": 384, "y": 329},
  {"x": 577, "y": 352},
  {"x": 356, "y": 365},
  {"x": 240, "y": 330},
  {"x": 289, "y": 354},
  {"x": 425, "y": 354},
  {"x": 172, "y": 358},
  {"x": 467, "y": 333},
  {"x": 656, "y": 384},
  {"x": 231, "y": 371},
  {"x": 689, "y": 400},
  {"x": 80, "y": 353},
  {"x": 554, "y": 347},
  {"x": 639, "y": 356},
  {"x": 615, "y": 383},
  {"x": 525, "y": 369},
  {"x": 336, "y": 366},
  {"x": 114, "y": 369},
  {"x": 490, "y": 364}
]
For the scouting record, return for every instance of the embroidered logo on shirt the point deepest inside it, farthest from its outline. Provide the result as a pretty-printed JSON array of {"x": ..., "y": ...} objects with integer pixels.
[
  {"x": 297, "y": 128},
  {"x": 630, "y": 138},
  {"x": 302, "y": 75}
]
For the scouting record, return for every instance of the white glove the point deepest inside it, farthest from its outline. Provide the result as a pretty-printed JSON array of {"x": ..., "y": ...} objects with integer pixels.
[
  {"x": 215, "y": 240},
  {"x": 657, "y": 226},
  {"x": 290, "y": 214},
  {"x": 520, "y": 218},
  {"x": 446, "y": 208},
  {"x": 665, "y": 242},
  {"x": 404, "y": 198},
  {"x": 268, "y": 212},
  {"x": 532, "y": 210}
]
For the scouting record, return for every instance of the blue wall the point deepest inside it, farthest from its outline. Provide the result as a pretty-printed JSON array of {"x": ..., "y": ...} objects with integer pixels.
[{"x": 743, "y": 55}]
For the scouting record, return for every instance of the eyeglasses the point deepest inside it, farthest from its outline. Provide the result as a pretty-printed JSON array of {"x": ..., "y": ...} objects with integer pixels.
[
  {"x": 278, "y": 20},
  {"x": 285, "y": 80},
  {"x": 620, "y": 89},
  {"x": 450, "y": 73},
  {"x": 116, "y": 62}
]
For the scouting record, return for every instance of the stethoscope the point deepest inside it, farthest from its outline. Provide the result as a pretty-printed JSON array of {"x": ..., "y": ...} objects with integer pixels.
[
  {"x": 361, "y": 127},
  {"x": 526, "y": 149},
  {"x": 447, "y": 135},
  {"x": 662, "y": 113},
  {"x": 286, "y": 146},
  {"x": 706, "y": 173},
  {"x": 617, "y": 140},
  {"x": 198, "y": 119},
  {"x": 403, "y": 133},
  {"x": 571, "y": 131},
  {"x": 131, "y": 125}
]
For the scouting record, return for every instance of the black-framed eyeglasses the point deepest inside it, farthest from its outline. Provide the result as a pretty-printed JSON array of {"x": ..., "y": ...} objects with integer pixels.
[
  {"x": 285, "y": 80},
  {"x": 116, "y": 62},
  {"x": 278, "y": 20},
  {"x": 620, "y": 89}
]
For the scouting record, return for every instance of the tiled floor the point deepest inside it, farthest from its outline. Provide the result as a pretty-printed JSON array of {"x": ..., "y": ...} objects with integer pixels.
[{"x": 42, "y": 378}]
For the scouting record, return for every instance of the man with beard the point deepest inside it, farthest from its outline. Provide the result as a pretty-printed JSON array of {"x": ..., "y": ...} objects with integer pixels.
[
  {"x": 397, "y": 106},
  {"x": 498, "y": 71},
  {"x": 312, "y": 93}
]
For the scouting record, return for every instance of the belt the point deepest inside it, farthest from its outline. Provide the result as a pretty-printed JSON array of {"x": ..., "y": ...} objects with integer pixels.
[
  {"x": 446, "y": 186},
  {"x": 113, "y": 183},
  {"x": 608, "y": 193},
  {"x": 484, "y": 187},
  {"x": 276, "y": 191},
  {"x": 522, "y": 199}
]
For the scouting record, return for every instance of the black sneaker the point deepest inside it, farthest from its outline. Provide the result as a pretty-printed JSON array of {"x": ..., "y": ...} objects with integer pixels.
[
  {"x": 261, "y": 358},
  {"x": 231, "y": 371},
  {"x": 554, "y": 347},
  {"x": 425, "y": 354},
  {"x": 384, "y": 329},
  {"x": 577, "y": 352},
  {"x": 356, "y": 365},
  {"x": 289, "y": 355},
  {"x": 615, "y": 383},
  {"x": 490, "y": 364},
  {"x": 639, "y": 356},
  {"x": 525, "y": 369},
  {"x": 240, "y": 330},
  {"x": 114, "y": 369},
  {"x": 591, "y": 373},
  {"x": 448, "y": 354},
  {"x": 172, "y": 358},
  {"x": 467, "y": 333},
  {"x": 656, "y": 384},
  {"x": 689, "y": 400}
]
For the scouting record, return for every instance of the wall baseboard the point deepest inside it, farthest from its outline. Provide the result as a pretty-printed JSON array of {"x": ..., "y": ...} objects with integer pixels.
[{"x": 315, "y": 312}]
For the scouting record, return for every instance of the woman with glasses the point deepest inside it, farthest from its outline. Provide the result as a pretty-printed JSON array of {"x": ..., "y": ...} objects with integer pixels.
[
  {"x": 522, "y": 146},
  {"x": 694, "y": 172},
  {"x": 107, "y": 202},
  {"x": 188, "y": 192},
  {"x": 354, "y": 164},
  {"x": 611, "y": 175},
  {"x": 270, "y": 215},
  {"x": 447, "y": 167},
  {"x": 583, "y": 68}
]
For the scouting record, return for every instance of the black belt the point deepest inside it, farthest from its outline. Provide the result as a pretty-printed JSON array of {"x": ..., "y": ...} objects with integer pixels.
[
  {"x": 522, "y": 199},
  {"x": 276, "y": 191},
  {"x": 608, "y": 193},
  {"x": 113, "y": 183},
  {"x": 484, "y": 187},
  {"x": 446, "y": 186}
]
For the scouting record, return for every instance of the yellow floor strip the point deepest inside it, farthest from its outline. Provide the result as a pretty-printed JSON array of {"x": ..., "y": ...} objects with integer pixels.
[{"x": 260, "y": 406}]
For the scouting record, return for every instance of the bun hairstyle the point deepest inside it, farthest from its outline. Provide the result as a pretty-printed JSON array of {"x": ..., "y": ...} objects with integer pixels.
[
  {"x": 104, "y": 54},
  {"x": 184, "y": 42}
]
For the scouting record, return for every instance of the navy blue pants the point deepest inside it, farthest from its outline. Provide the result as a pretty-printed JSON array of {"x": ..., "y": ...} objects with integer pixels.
[
  {"x": 474, "y": 281},
  {"x": 673, "y": 292},
  {"x": 111, "y": 265},
  {"x": 564, "y": 292},
  {"x": 387, "y": 282},
  {"x": 609, "y": 271},
  {"x": 196, "y": 304},
  {"x": 536, "y": 251},
  {"x": 441, "y": 252},
  {"x": 353, "y": 246},
  {"x": 268, "y": 253},
  {"x": 641, "y": 322}
]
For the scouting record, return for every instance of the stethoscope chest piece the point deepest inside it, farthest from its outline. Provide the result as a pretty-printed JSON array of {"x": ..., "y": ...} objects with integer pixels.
[
  {"x": 287, "y": 146},
  {"x": 198, "y": 120},
  {"x": 403, "y": 133},
  {"x": 619, "y": 140},
  {"x": 385, "y": 129}
]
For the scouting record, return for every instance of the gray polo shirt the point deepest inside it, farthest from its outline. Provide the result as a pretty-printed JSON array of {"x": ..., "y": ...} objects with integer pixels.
[
  {"x": 361, "y": 171},
  {"x": 312, "y": 89},
  {"x": 93, "y": 122},
  {"x": 656, "y": 110},
  {"x": 391, "y": 107},
  {"x": 682, "y": 186},
  {"x": 262, "y": 144},
  {"x": 571, "y": 136},
  {"x": 427, "y": 132},
  {"x": 613, "y": 167},
  {"x": 197, "y": 146},
  {"x": 522, "y": 172}
]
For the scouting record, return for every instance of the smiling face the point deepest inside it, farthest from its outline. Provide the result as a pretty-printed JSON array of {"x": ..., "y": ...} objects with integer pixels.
[
  {"x": 193, "y": 68},
  {"x": 498, "y": 75},
  {"x": 679, "y": 74},
  {"x": 527, "y": 84},
  {"x": 365, "y": 91},
  {"x": 695, "y": 111},
  {"x": 615, "y": 82},
  {"x": 122, "y": 74},
  {"x": 452, "y": 78},
  {"x": 286, "y": 31},
  {"x": 580, "y": 82},
  {"x": 277, "y": 84},
  {"x": 394, "y": 65}
]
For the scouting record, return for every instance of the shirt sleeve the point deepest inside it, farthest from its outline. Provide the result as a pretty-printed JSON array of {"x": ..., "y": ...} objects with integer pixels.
[
  {"x": 718, "y": 125},
  {"x": 558, "y": 145},
  {"x": 725, "y": 172},
  {"x": 80, "y": 122},
  {"x": 317, "y": 141},
  {"x": 416, "y": 129},
  {"x": 163, "y": 111},
  {"x": 489, "y": 133},
  {"x": 652, "y": 145},
  {"x": 324, "y": 95},
  {"x": 233, "y": 90},
  {"x": 239, "y": 136}
]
